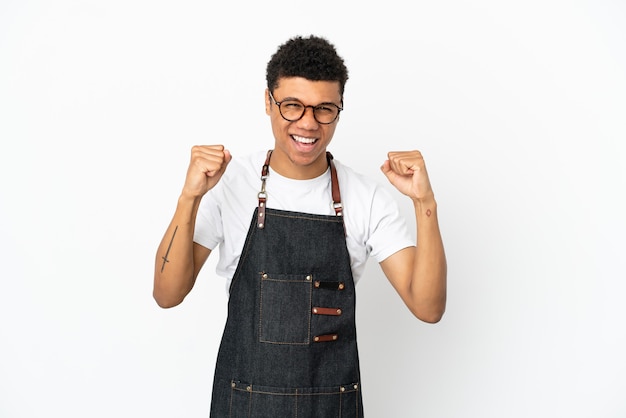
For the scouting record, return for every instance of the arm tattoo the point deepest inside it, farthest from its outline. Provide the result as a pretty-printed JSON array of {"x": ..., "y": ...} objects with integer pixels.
[{"x": 165, "y": 260}]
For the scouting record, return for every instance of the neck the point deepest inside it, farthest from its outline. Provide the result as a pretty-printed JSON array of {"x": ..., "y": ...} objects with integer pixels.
[{"x": 289, "y": 168}]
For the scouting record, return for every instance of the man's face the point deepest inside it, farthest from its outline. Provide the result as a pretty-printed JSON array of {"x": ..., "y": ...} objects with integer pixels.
[{"x": 300, "y": 146}]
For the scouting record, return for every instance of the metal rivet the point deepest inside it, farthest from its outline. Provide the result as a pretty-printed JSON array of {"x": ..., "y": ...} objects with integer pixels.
[
  {"x": 264, "y": 275},
  {"x": 249, "y": 388},
  {"x": 342, "y": 389},
  {"x": 334, "y": 337},
  {"x": 260, "y": 215},
  {"x": 316, "y": 339},
  {"x": 314, "y": 310},
  {"x": 338, "y": 311},
  {"x": 261, "y": 204},
  {"x": 317, "y": 284},
  {"x": 341, "y": 286},
  {"x": 356, "y": 386},
  {"x": 261, "y": 225},
  {"x": 233, "y": 384},
  {"x": 308, "y": 278}
]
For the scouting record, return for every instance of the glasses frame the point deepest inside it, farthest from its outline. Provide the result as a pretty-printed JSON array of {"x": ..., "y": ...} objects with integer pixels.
[{"x": 277, "y": 103}]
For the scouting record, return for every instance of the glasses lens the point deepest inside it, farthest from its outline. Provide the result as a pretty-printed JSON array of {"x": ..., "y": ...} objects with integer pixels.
[
  {"x": 291, "y": 110},
  {"x": 326, "y": 113}
]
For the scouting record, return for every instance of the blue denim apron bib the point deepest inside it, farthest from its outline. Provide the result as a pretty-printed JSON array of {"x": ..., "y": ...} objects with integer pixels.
[{"x": 289, "y": 345}]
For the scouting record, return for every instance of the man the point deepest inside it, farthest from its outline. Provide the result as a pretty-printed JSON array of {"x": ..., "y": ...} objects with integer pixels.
[{"x": 289, "y": 345}]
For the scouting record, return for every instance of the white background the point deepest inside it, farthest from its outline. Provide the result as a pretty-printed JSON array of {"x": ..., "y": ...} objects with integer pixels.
[{"x": 518, "y": 107}]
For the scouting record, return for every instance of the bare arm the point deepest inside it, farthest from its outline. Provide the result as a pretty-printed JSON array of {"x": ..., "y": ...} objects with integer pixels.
[
  {"x": 178, "y": 259},
  {"x": 419, "y": 274}
]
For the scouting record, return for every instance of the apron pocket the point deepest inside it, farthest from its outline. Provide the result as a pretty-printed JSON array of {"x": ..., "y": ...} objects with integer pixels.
[
  {"x": 285, "y": 308},
  {"x": 254, "y": 401}
]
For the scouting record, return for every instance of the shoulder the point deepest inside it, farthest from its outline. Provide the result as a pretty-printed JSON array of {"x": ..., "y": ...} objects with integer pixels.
[
  {"x": 356, "y": 183},
  {"x": 239, "y": 183},
  {"x": 365, "y": 200},
  {"x": 347, "y": 173},
  {"x": 243, "y": 170},
  {"x": 250, "y": 163}
]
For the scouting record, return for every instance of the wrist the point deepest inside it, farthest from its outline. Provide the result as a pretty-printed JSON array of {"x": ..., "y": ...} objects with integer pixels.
[
  {"x": 189, "y": 200},
  {"x": 425, "y": 206}
]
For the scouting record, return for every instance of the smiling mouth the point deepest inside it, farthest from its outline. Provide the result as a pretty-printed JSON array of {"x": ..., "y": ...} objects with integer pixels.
[{"x": 303, "y": 140}]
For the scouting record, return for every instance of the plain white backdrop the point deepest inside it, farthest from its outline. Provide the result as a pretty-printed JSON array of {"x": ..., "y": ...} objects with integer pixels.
[{"x": 518, "y": 107}]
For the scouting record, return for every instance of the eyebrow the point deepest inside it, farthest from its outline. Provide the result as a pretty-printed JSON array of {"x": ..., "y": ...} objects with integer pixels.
[{"x": 298, "y": 100}]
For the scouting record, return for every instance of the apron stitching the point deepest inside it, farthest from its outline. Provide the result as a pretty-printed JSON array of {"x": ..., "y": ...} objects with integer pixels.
[
  {"x": 310, "y": 304},
  {"x": 261, "y": 310},
  {"x": 230, "y": 406},
  {"x": 340, "y": 408},
  {"x": 250, "y": 403},
  {"x": 332, "y": 220}
]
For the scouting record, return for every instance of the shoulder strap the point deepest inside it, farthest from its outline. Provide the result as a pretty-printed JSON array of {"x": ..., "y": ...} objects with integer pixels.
[{"x": 336, "y": 194}]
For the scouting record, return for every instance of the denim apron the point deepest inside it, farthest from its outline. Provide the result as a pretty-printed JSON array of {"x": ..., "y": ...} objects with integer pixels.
[{"x": 289, "y": 345}]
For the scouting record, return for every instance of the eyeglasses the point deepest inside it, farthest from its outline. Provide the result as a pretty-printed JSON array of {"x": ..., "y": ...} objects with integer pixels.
[{"x": 293, "y": 110}]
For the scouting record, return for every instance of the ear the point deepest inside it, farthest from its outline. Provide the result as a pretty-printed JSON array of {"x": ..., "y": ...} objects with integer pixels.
[{"x": 268, "y": 103}]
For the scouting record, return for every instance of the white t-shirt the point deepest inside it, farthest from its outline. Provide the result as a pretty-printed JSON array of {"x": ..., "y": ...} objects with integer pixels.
[{"x": 374, "y": 225}]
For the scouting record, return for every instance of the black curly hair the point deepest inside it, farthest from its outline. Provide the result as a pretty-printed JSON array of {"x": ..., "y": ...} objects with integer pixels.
[{"x": 313, "y": 58}]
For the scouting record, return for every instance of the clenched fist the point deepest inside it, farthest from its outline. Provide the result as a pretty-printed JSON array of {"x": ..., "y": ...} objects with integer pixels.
[
  {"x": 406, "y": 170},
  {"x": 208, "y": 163}
]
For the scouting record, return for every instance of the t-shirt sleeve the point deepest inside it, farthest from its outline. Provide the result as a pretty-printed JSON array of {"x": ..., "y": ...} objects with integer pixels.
[
  {"x": 209, "y": 231},
  {"x": 389, "y": 229}
]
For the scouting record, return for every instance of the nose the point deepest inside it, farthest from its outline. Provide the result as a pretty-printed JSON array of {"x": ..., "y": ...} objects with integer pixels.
[{"x": 308, "y": 120}]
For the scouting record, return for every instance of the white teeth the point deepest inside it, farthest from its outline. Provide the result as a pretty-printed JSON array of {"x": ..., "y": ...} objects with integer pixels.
[{"x": 304, "y": 140}]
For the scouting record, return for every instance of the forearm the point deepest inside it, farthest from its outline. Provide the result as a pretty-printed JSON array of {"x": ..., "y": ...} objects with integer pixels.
[
  {"x": 174, "y": 269},
  {"x": 418, "y": 273},
  {"x": 428, "y": 284}
]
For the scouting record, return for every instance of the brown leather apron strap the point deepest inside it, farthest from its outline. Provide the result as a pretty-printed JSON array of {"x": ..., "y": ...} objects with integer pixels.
[
  {"x": 335, "y": 186},
  {"x": 325, "y": 338},
  {"x": 337, "y": 205},
  {"x": 317, "y": 310},
  {"x": 265, "y": 171}
]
